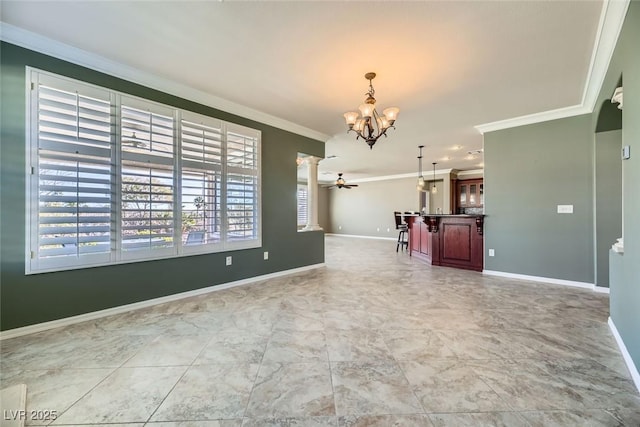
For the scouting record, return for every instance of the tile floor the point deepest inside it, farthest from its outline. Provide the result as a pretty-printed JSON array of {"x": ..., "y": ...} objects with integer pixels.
[{"x": 374, "y": 339}]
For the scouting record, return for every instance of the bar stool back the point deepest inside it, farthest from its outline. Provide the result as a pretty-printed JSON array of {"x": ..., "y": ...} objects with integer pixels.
[{"x": 403, "y": 230}]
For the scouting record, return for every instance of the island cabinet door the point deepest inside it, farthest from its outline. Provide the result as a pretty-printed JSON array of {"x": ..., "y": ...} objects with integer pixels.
[
  {"x": 425, "y": 240},
  {"x": 414, "y": 237},
  {"x": 414, "y": 233},
  {"x": 461, "y": 245}
]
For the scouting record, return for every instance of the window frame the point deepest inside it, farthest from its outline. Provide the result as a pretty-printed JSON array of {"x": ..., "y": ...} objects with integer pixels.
[
  {"x": 34, "y": 264},
  {"x": 304, "y": 188}
]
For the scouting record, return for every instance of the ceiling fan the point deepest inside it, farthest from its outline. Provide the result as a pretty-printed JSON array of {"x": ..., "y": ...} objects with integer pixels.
[{"x": 341, "y": 183}]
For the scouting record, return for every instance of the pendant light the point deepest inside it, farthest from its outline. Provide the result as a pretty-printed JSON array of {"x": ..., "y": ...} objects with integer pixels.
[
  {"x": 434, "y": 190},
  {"x": 420, "y": 185}
]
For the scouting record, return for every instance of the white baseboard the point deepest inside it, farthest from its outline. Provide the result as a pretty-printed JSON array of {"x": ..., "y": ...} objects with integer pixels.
[
  {"x": 584, "y": 285},
  {"x": 600, "y": 289},
  {"x": 31, "y": 329},
  {"x": 635, "y": 375},
  {"x": 394, "y": 239}
]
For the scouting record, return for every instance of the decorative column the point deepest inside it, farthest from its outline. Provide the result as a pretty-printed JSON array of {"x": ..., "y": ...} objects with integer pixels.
[{"x": 312, "y": 193}]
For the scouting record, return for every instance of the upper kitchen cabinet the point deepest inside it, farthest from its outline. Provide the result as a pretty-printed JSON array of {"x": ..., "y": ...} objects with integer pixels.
[{"x": 469, "y": 194}]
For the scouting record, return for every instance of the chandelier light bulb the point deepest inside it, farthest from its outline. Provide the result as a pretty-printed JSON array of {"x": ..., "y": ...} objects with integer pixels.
[
  {"x": 383, "y": 123},
  {"x": 391, "y": 114},
  {"x": 351, "y": 118},
  {"x": 367, "y": 110}
]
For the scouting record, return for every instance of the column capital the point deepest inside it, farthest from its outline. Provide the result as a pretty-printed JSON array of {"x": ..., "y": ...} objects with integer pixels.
[{"x": 312, "y": 160}]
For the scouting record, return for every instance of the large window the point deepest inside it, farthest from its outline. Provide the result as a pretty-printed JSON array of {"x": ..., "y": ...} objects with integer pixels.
[{"x": 113, "y": 178}]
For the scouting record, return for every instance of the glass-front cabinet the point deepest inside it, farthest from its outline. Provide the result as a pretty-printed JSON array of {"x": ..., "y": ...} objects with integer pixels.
[
  {"x": 469, "y": 194},
  {"x": 462, "y": 195}
]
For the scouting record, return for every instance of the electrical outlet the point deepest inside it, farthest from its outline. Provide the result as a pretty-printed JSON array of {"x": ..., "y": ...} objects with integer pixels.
[
  {"x": 229, "y": 260},
  {"x": 492, "y": 252},
  {"x": 266, "y": 255},
  {"x": 565, "y": 209}
]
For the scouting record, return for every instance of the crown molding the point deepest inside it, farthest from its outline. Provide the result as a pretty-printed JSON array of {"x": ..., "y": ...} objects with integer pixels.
[
  {"x": 36, "y": 42},
  {"x": 543, "y": 116},
  {"x": 400, "y": 176},
  {"x": 471, "y": 172},
  {"x": 609, "y": 27}
]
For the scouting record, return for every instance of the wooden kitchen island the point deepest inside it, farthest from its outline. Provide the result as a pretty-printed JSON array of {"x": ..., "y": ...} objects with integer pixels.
[{"x": 447, "y": 240}]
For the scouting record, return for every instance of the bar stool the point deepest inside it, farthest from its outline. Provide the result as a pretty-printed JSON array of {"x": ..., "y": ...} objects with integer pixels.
[{"x": 403, "y": 229}]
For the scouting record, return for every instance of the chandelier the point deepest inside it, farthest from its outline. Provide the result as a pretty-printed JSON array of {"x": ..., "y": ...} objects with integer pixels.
[{"x": 371, "y": 125}]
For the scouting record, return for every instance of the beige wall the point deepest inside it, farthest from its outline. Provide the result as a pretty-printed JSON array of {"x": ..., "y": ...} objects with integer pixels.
[
  {"x": 438, "y": 200},
  {"x": 367, "y": 210},
  {"x": 324, "y": 219}
]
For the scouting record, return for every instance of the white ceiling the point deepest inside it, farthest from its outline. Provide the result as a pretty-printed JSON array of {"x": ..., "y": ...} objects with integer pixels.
[{"x": 448, "y": 66}]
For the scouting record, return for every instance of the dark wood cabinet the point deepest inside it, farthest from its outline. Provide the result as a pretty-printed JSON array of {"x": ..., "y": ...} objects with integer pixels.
[
  {"x": 420, "y": 240},
  {"x": 448, "y": 240},
  {"x": 460, "y": 243},
  {"x": 469, "y": 194}
]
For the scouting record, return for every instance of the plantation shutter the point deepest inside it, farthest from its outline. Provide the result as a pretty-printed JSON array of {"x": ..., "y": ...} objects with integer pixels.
[
  {"x": 242, "y": 184},
  {"x": 113, "y": 178},
  {"x": 147, "y": 190},
  {"x": 74, "y": 173},
  {"x": 201, "y": 162},
  {"x": 302, "y": 205}
]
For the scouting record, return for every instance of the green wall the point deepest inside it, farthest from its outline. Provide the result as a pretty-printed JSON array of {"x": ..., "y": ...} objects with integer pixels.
[
  {"x": 625, "y": 282},
  {"x": 27, "y": 300},
  {"x": 529, "y": 170},
  {"x": 608, "y": 202}
]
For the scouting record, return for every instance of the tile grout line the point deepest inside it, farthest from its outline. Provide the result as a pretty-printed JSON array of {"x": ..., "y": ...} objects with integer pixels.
[
  {"x": 333, "y": 389},
  {"x": 255, "y": 379},
  {"x": 87, "y": 393},
  {"x": 178, "y": 380},
  {"x": 411, "y": 387},
  {"x": 114, "y": 370}
]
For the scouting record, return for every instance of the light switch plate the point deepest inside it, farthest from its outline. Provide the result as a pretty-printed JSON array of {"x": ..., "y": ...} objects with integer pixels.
[
  {"x": 626, "y": 152},
  {"x": 229, "y": 260},
  {"x": 565, "y": 209}
]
